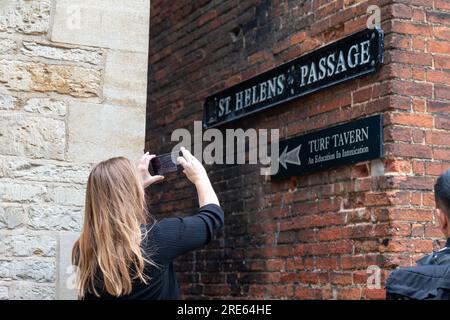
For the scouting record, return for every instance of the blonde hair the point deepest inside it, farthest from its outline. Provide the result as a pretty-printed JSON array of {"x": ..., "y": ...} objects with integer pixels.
[{"x": 109, "y": 247}]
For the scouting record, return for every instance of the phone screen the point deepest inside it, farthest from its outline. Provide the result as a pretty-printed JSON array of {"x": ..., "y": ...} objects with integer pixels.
[{"x": 164, "y": 163}]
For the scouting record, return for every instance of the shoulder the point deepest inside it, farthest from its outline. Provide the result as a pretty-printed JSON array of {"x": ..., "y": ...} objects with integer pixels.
[{"x": 441, "y": 257}]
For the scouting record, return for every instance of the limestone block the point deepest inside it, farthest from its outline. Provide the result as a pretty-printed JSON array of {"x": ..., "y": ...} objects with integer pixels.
[
  {"x": 35, "y": 137},
  {"x": 104, "y": 131},
  {"x": 55, "y": 218},
  {"x": 5, "y": 269},
  {"x": 37, "y": 170},
  {"x": 69, "y": 196},
  {"x": 3, "y": 223},
  {"x": 46, "y": 106},
  {"x": 114, "y": 24},
  {"x": 28, "y": 17},
  {"x": 37, "y": 270},
  {"x": 126, "y": 78},
  {"x": 33, "y": 49},
  {"x": 33, "y": 291},
  {"x": 8, "y": 46},
  {"x": 12, "y": 216},
  {"x": 4, "y": 293},
  {"x": 17, "y": 192},
  {"x": 8, "y": 102},
  {"x": 21, "y": 245},
  {"x": 31, "y": 76}
]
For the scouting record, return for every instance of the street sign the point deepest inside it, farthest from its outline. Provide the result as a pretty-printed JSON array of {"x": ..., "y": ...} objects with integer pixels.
[
  {"x": 349, "y": 58},
  {"x": 352, "y": 142}
]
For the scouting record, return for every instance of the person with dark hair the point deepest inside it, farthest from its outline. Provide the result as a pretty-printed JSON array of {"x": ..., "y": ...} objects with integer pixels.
[{"x": 430, "y": 280}]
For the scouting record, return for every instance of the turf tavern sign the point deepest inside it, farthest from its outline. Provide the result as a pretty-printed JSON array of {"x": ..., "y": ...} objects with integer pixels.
[
  {"x": 355, "y": 56},
  {"x": 352, "y": 142}
]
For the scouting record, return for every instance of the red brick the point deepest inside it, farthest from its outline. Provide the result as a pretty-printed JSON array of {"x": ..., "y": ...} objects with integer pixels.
[
  {"x": 433, "y": 231},
  {"x": 258, "y": 57},
  {"x": 410, "y": 150},
  {"x": 408, "y": 245},
  {"x": 326, "y": 263},
  {"x": 280, "y": 47},
  {"x": 418, "y": 15},
  {"x": 359, "y": 261},
  {"x": 419, "y": 3},
  {"x": 294, "y": 263},
  {"x": 428, "y": 200},
  {"x": 413, "y": 182},
  {"x": 313, "y": 277},
  {"x": 438, "y": 106},
  {"x": 419, "y": 105},
  {"x": 441, "y": 154},
  {"x": 416, "y": 199},
  {"x": 412, "y": 215},
  {"x": 298, "y": 37},
  {"x": 411, "y": 88},
  {"x": 438, "y": 17},
  {"x": 307, "y": 293},
  {"x": 412, "y": 58},
  {"x": 400, "y": 10},
  {"x": 275, "y": 264},
  {"x": 418, "y": 73},
  {"x": 398, "y": 134},
  {"x": 410, "y": 119},
  {"x": 442, "y": 123},
  {"x": 216, "y": 290},
  {"x": 438, "y": 47},
  {"x": 207, "y": 17},
  {"x": 361, "y": 95},
  {"x": 442, "y": 4},
  {"x": 411, "y": 28},
  {"x": 349, "y": 294},
  {"x": 417, "y": 135},
  {"x": 442, "y": 92},
  {"x": 393, "y": 40},
  {"x": 280, "y": 290},
  {"x": 441, "y": 138},
  {"x": 441, "y": 62},
  {"x": 418, "y": 167},
  {"x": 398, "y": 166},
  {"x": 442, "y": 33},
  {"x": 375, "y": 294},
  {"x": 400, "y": 102}
]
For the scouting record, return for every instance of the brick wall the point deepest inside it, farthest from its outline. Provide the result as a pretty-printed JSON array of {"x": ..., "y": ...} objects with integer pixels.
[{"x": 314, "y": 236}]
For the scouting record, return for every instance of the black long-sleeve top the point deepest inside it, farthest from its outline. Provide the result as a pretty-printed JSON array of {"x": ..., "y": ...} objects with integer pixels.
[{"x": 166, "y": 240}]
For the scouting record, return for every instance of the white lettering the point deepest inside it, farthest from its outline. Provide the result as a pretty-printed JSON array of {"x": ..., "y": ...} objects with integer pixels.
[{"x": 322, "y": 68}]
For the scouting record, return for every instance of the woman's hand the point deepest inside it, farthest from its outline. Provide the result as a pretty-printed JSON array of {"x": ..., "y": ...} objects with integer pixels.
[
  {"x": 196, "y": 173},
  {"x": 193, "y": 169},
  {"x": 147, "y": 178}
]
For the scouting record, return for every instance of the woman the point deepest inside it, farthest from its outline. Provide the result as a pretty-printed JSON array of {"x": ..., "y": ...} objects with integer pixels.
[{"x": 121, "y": 254}]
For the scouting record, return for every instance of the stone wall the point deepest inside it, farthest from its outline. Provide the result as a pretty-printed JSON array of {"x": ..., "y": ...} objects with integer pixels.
[{"x": 73, "y": 80}]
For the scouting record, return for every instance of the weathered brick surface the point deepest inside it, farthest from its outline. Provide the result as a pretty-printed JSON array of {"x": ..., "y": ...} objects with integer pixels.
[{"x": 309, "y": 237}]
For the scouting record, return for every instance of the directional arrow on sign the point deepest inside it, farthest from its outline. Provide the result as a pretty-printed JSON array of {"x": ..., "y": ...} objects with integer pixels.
[{"x": 292, "y": 157}]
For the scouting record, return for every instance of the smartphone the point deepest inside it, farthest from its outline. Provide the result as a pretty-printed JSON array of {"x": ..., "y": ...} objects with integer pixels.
[{"x": 163, "y": 164}]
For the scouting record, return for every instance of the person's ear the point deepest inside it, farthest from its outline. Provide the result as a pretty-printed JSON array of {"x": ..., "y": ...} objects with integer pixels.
[{"x": 443, "y": 219}]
